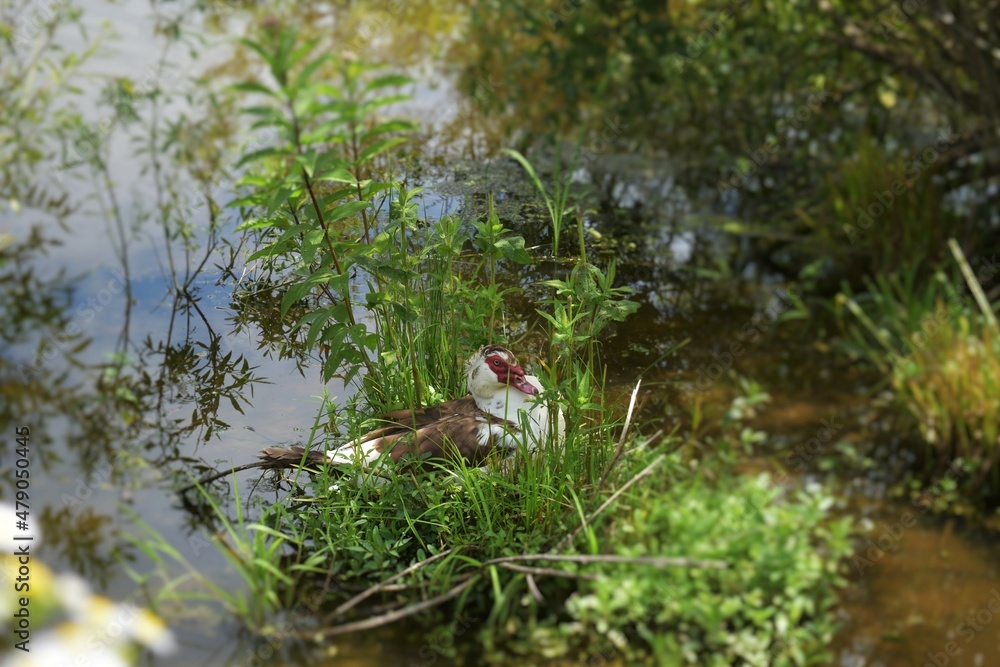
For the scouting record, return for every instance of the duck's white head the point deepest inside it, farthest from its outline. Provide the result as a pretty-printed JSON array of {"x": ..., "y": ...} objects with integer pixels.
[{"x": 494, "y": 369}]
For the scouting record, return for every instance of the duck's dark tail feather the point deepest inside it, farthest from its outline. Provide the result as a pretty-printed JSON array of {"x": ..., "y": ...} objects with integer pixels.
[
  {"x": 271, "y": 457},
  {"x": 281, "y": 457}
]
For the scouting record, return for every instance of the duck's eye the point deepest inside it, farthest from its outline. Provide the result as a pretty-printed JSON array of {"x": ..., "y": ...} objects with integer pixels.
[{"x": 496, "y": 362}]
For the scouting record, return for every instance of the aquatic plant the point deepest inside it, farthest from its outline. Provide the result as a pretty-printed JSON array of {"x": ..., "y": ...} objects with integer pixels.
[{"x": 939, "y": 351}]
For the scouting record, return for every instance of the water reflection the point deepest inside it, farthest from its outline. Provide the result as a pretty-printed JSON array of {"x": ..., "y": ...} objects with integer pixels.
[{"x": 36, "y": 330}]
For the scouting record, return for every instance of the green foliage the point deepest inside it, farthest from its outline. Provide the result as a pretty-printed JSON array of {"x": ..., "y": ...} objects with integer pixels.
[
  {"x": 581, "y": 305},
  {"x": 940, "y": 355},
  {"x": 314, "y": 189},
  {"x": 253, "y": 550},
  {"x": 769, "y": 608},
  {"x": 318, "y": 201},
  {"x": 888, "y": 213},
  {"x": 465, "y": 529},
  {"x": 585, "y": 304},
  {"x": 433, "y": 302},
  {"x": 557, "y": 202}
]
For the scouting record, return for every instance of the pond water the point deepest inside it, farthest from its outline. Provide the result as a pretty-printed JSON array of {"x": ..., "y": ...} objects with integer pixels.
[{"x": 208, "y": 382}]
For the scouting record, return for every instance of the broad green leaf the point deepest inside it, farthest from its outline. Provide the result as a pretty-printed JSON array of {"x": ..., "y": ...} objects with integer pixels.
[
  {"x": 314, "y": 238},
  {"x": 334, "y": 173},
  {"x": 389, "y": 126},
  {"x": 329, "y": 132},
  {"x": 294, "y": 294},
  {"x": 346, "y": 210},
  {"x": 327, "y": 89},
  {"x": 253, "y": 223},
  {"x": 258, "y": 49},
  {"x": 379, "y": 147},
  {"x": 316, "y": 320},
  {"x": 371, "y": 105},
  {"x": 337, "y": 195},
  {"x": 267, "y": 113},
  {"x": 310, "y": 68},
  {"x": 266, "y": 251},
  {"x": 261, "y": 154},
  {"x": 370, "y": 188},
  {"x": 359, "y": 333},
  {"x": 278, "y": 199},
  {"x": 307, "y": 161},
  {"x": 512, "y": 248},
  {"x": 301, "y": 52}
]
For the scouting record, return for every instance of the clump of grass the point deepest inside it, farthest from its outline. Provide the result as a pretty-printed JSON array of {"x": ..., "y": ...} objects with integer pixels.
[
  {"x": 940, "y": 353},
  {"x": 632, "y": 548},
  {"x": 252, "y": 549},
  {"x": 951, "y": 386}
]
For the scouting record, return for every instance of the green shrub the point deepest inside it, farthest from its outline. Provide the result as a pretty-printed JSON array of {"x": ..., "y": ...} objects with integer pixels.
[{"x": 771, "y": 607}]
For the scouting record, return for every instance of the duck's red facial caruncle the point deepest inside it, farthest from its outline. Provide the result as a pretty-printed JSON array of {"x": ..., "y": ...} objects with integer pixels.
[{"x": 511, "y": 374}]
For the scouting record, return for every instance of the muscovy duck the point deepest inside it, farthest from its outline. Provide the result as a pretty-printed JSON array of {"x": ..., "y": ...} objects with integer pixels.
[{"x": 502, "y": 400}]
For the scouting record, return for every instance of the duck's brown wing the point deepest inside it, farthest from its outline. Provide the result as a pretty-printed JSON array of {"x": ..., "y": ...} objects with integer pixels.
[
  {"x": 414, "y": 420},
  {"x": 453, "y": 428}
]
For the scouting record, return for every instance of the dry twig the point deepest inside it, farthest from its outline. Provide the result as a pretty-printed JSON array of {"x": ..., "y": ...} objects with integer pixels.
[
  {"x": 371, "y": 590},
  {"x": 393, "y": 616}
]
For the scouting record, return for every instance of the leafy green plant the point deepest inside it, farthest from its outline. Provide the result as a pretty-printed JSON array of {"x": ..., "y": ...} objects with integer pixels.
[
  {"x": 769, "y": 608},
  {"x": 581, "y": 305},
  {"x": 433, "y": 300},
  {"x": 314, "y": 186},
  {"x": 318, "y": 197},
  {"x": 38, "y": 122}
]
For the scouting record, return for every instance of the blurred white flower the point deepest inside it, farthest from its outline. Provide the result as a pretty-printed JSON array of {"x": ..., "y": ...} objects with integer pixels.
[
  {"x": 98, "y": 632},
  {"x": 122, "y": 622}
]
